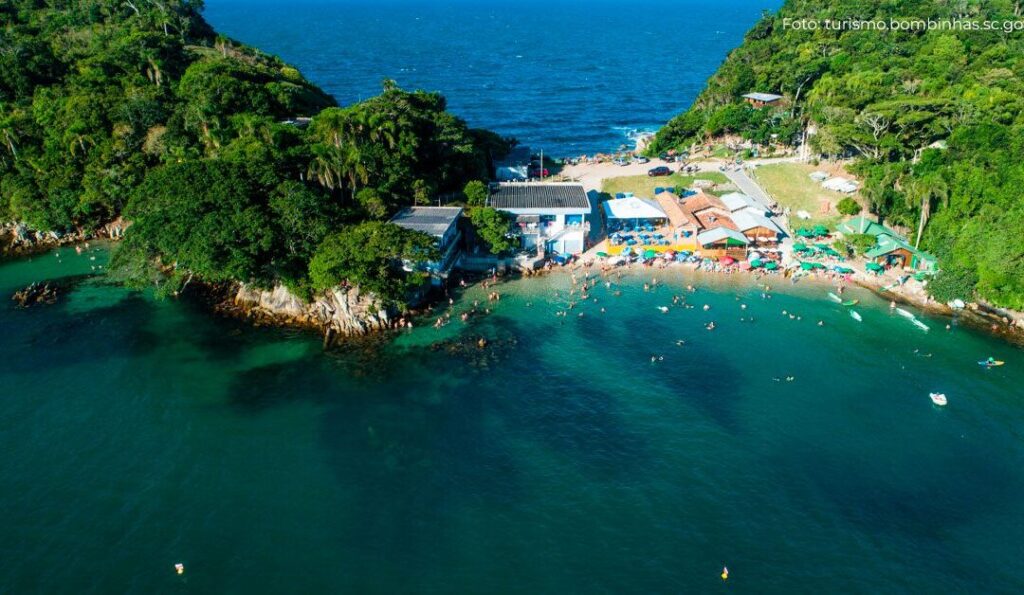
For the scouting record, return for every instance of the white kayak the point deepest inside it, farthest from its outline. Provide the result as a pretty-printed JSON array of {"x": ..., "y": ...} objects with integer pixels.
[
  {"x": 905, "y": 314},
  {"x": 920, "y": 325},
  {"x": 855, "y": 316},
  {"x": 938, "y": 398}
]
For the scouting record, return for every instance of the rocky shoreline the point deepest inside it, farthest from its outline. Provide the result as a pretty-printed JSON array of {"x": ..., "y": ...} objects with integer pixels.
[
  {"x": 339, "y": 314},
  {"x": 18, "y": 239}
]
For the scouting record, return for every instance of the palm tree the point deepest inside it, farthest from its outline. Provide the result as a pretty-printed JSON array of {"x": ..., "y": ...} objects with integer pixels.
[{"x": 926, "y": 189}]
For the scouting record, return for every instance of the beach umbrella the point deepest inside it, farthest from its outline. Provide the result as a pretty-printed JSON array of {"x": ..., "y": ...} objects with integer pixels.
[
  {"x": 843, "y": 270},
  {"x": 771, "y": 266},
  {"x": 602, "y": 254},
  {"x": 820, "y": 230},
  {"x": 807, "y": 266},
  {"x": 799, "y": 247},
  {"x": 874, "y": 267},
  {"x": 745, "y": 266},
  {"x": 727, "y": 260},
  {"x": 650, "y": 254},
  {"x": 756, "y": 263},
  {"x": 754, "y": 256}
]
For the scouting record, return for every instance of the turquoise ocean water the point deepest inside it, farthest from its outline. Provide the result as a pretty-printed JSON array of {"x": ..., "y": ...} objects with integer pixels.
[{"x": 141, "y": 433}]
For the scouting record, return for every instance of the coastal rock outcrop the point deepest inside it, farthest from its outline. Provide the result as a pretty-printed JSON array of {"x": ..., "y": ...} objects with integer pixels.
[
  {"x": 342, "y": 312},
  {"x": 18, "y": 239}
]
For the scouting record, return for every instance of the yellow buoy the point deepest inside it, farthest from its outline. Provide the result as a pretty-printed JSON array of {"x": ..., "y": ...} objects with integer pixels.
[{"x": 725, "y": 573}]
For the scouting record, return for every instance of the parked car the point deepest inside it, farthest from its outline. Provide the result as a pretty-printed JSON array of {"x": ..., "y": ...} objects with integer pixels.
[
  {"x": 661, "y": 170},
  {"x": 641, "y": 159},
  {"x": 620, "y": 161}
]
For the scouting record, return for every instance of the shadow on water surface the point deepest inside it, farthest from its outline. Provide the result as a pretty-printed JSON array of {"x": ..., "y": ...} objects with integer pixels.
[
  {"x": 70, "y": 337},
  {"x": 698, "y": 373}
]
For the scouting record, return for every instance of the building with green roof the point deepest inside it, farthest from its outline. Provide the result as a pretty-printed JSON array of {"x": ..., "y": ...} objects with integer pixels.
[{"x": 894, "y": 252}]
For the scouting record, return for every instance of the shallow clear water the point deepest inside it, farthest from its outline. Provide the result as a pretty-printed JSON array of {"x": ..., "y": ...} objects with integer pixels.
[
  {"x": 140, "y": 433},
  {"x": 567, "y": 76}
]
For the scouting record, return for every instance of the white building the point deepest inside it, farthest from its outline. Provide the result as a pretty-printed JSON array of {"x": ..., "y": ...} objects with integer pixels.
[
  {"x": 552, "y": 218},
  {"x": 442, "y": 224},
  {"x": 734, "y": 201}
]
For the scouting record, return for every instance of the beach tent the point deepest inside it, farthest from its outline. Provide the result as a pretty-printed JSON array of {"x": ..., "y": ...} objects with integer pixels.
[
  {"x": 632, "y": 207},
  {"x": 840, "y": 185}
]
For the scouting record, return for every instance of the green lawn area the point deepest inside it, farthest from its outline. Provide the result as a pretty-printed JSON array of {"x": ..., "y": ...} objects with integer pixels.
[
  {"x": 643, "y": 186},
  {"x": 790, "y": 185}
]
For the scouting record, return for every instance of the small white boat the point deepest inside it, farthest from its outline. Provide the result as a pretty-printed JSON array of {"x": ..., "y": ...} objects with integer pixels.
[
  {"x": 835, "y": 298},
  {"x": 855, "y": 316},
  {"x": 938, "y": 398},
  {"x": 920, "y": 325},
  {"x": 664, "y": 309},
  {"x": 905, "y": 313}
]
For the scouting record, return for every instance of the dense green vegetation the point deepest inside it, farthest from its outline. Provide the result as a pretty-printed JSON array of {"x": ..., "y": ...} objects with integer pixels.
[
  {"x": 934, "y": 119},
  {"x": 229, "y": 164}
]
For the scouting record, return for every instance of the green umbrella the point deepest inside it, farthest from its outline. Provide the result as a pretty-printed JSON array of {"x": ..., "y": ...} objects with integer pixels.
[
  {"x": 602, "y": 254},
  {"x": 843, "y": 270},
  {"x": 805, "y": 233},
  {"x": 771, "y": 266},
  {"x": 820, "y": 230},
  {"x": 756, "y": 263},
  {"x": 799, "y": 247},
  {"x": 874, "y": 266},
  {"x": 807, "y": 266},
  {"x": 650, "y": 254}
]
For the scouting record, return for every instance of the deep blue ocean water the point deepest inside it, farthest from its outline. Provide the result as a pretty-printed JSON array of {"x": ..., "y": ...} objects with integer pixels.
[{"x": 567, "y": 76}]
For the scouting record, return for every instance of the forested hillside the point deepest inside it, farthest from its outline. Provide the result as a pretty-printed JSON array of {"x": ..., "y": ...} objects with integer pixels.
[
  {"x": 934, "y": 117},
  {"x": 138, "y": 108}
]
